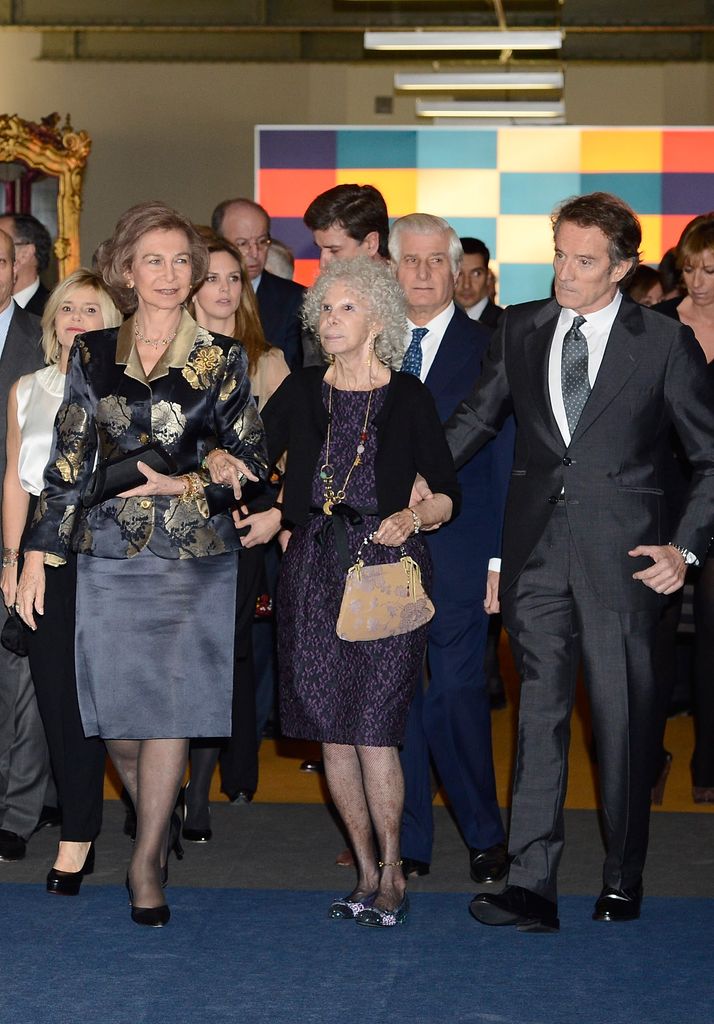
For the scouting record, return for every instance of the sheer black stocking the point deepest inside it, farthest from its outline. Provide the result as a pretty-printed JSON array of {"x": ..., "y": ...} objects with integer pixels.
[
  {"x": 367, "y": 786},
  {"x": 203, "y": 763},
  {"x": 152, "y": 771}
]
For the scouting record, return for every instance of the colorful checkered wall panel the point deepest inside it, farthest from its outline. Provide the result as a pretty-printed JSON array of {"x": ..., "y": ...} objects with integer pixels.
[{"x": 496, "y": 184}]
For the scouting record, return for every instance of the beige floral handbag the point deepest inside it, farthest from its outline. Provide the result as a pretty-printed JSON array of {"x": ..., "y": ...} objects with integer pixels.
[{"x": 383, "y": 600}]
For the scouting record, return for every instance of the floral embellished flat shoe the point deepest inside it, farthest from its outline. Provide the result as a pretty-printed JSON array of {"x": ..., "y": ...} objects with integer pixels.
[
  {"x": 373, "y": 917},
  {"x": 347, "y": 908}
]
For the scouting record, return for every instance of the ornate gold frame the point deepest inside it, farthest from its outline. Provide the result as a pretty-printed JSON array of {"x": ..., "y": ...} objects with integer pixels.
[{"x": 62, "y": 153}]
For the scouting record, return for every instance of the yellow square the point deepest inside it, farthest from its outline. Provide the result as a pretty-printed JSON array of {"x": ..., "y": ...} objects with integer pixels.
[
  {"x": 626, "y": 150},
  {"x": 458, "y": 193},
  {"x": 539, "y": 149},
  {"x": 399, "y": 187},
  {"x": 524, "y": 239},
  {"x": 651, "y": 238}
]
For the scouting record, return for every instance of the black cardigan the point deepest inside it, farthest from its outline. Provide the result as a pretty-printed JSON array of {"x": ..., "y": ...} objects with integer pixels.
[{"x": 410, "y": 440}]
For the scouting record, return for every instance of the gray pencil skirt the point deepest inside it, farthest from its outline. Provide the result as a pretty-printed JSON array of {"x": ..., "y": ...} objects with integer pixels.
[{"x": 154, "y": 645}]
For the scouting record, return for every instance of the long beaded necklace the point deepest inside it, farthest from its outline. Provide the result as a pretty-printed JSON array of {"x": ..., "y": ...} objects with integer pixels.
[{"x": 327, "y": 472}]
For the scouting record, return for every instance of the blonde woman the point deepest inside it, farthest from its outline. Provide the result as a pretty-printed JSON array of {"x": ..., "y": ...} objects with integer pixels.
[{"x": 79, "y": 303}]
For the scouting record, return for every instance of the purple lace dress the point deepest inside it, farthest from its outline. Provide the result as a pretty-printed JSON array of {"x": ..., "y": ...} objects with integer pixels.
[{"x": 333, "y": 690}]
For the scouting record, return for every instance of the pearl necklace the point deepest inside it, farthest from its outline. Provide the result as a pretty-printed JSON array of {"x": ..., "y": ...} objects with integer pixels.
[{"x": 150, "y": 341}]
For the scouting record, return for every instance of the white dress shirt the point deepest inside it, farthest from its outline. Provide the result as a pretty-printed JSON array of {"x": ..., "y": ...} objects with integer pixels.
[
  {"x": 596, "y": 329},
  {"x": 474, "y": 312},
  {"x": 25, "y": 294},
  {"x": 5, "y": 318},
  {"x": 436, "y": 329}
]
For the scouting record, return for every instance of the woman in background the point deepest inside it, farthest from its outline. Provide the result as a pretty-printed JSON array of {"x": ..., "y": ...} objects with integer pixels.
[
  {"x": 79, "y": 303},
  {"x": 225, "y": 303},
  {"x": 695, "y": 261}
]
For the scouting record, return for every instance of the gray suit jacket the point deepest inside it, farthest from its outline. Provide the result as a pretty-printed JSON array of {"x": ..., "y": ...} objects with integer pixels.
[
  {"x": 653, "y": 377},
  {"x": 22, "y": 354}
]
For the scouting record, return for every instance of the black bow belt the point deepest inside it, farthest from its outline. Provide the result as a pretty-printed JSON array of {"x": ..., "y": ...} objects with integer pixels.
[{"x": 335, "y": 524}]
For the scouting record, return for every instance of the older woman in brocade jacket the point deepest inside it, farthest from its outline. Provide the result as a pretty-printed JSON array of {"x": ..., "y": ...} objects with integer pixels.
[{"x": 156, "y": 564}]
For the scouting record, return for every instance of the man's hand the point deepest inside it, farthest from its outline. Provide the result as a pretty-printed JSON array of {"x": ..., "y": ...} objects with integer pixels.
[
  {"x": 491, "y": 604},
  {"x": 669, "y": 569}
]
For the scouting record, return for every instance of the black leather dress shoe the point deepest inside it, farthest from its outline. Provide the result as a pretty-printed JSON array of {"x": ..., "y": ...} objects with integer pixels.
[
  {"x": 50, "y": 817},
  {"x": 12, "y": 846},
  {"x": 517, "y": 906},
  {"x": 243, "y": 796},
  {"x": 414, "y": 867},
  {"x": 618, "y": 904},
  {"x": 488, "y": 865}
]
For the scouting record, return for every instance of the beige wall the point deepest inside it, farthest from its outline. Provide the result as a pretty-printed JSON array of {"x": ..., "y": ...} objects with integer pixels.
[{"x": 184, "y": 133}]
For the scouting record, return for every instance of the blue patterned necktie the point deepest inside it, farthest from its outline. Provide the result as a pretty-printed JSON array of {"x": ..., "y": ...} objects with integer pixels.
[
  {"x": 574, "y": 373},
  {"x": 412, "y": 356}
]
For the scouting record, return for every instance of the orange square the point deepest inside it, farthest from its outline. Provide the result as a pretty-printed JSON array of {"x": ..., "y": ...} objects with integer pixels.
[
  {"x": 306, "y": 271},
  {"x": 688, "y": 152},
  {"x": 287, "y": 192},
  {"x": 673, "y": 224}
]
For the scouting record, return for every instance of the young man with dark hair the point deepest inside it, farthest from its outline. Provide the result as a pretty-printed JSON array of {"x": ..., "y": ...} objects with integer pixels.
[
  {"x": 349, "y": 220},
  {"x": 472, "y": 284}
]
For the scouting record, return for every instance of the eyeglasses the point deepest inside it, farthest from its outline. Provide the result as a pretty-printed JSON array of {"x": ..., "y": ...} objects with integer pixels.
[{"x": 246, "y": 244}]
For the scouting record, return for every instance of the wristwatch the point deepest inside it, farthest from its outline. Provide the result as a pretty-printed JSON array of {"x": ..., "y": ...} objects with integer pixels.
[{"x": 689, "y": 557}]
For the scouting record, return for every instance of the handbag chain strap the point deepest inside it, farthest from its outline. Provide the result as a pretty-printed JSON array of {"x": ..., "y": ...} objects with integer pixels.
[{"x": 411, "y": 568}]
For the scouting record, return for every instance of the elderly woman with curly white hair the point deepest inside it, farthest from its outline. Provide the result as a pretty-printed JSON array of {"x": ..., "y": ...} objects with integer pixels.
[{"x": 356, "y": 434}]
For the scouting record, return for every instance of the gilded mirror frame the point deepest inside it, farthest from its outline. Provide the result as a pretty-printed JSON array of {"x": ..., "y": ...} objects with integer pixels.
[{"x": 60, "y": 152}]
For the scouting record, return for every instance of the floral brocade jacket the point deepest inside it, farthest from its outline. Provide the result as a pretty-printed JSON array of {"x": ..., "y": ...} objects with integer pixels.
[{"x": 196, "y": 397}]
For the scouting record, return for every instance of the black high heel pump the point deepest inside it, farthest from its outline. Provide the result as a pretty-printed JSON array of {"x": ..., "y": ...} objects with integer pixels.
[
  {"x": 68, "y": 883},
  {"x": 152, "y": 917}
]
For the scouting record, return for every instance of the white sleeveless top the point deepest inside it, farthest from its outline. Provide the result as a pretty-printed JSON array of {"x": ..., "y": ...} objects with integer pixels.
[{"x": 39, "y": 396}]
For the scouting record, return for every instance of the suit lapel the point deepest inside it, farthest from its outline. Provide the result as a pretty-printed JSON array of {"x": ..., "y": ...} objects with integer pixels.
[
  {"x": 536, "y": 354},
  {"x": 622, "y": 355},
  {"x": 450, "y": 357}
]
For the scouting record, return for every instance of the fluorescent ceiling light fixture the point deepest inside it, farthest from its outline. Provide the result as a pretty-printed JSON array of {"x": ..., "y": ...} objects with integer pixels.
[
  {"x": 459, "y": 40},
  {"x": 478, "y": 81},
  {"x": 461, "y": 108}
]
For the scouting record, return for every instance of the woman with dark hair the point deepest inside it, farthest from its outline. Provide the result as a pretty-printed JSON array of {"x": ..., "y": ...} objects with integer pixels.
[
  {"x": 79, "y": 303},
  {"x": 645, "y": 286},
  {"x": 156, "y": 565},
  {"x": 695, "y": 261},
  {"x": 225, "y": 303}
]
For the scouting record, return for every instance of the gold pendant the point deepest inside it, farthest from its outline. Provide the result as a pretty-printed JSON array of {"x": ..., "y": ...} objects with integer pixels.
[{"x": 327, "y": 507}]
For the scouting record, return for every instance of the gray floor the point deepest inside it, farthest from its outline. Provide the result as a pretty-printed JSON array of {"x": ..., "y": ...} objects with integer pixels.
[{"x": 293, "y": 846}]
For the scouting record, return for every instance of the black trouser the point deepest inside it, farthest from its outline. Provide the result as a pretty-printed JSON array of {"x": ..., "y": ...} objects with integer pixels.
[{"x": 77, "y": 761}]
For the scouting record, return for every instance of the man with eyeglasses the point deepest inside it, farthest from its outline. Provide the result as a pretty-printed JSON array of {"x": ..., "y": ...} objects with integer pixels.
[
  {"x": 247, "y": 225},
  {"x": 33, "y": 247}
]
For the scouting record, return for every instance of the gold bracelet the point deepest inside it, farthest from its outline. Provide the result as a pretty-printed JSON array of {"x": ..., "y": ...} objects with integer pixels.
[
  {"x": 10, "y": 557},
  {"x": 191, "y": 488},
  {"x": 416, "y": 519}
]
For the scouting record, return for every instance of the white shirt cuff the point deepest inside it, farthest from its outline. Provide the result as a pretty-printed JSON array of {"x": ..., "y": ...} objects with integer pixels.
[{"x": 494, "y": 565}]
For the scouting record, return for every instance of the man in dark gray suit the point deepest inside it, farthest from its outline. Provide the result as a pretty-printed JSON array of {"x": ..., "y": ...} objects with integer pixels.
[
  {"x": 596, "y": 382},
  {"x": 33, "y": 248},
  {"x": 24, "y": 761}
]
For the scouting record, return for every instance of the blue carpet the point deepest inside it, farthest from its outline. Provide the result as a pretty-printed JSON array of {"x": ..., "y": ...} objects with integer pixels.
[{"x": 274, "y": 957}]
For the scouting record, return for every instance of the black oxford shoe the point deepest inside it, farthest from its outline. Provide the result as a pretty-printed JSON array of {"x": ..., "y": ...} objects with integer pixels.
[
  {"x": 618, "y": 904},
  {"x": 12, "y": 846},
  {"x": 517, "y": 906},
  {"x": 488, "y": 865},
  {"x": 410, "y": 866}
]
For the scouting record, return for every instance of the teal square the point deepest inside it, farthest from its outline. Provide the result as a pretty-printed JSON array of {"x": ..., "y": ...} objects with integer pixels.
[
  {"x": 476, "y": 227},
  {"x": 523, "y": 282},
  {"x": 527, "y": 194},
  {"x": 368, "y": 148},
  {"x": 458, "y": 149},
  {"x": 643, "y": 192}
]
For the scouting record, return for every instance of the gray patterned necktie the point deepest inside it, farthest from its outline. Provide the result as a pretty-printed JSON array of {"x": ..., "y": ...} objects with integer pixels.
[{"x": 574, "y": 373}]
